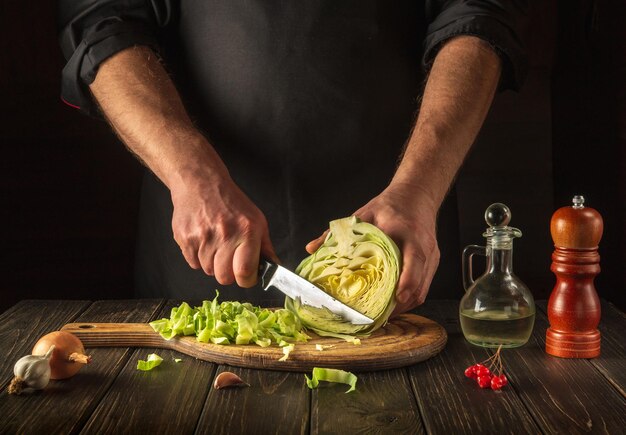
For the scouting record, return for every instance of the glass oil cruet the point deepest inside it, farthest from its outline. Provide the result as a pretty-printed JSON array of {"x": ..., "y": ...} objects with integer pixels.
[{"x": 497, "y": 308}]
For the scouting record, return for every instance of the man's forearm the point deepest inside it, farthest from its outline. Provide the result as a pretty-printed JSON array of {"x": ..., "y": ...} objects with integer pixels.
[
  {"x": 141, "y": 103},
  {"x": 217, "y": 227},
  {"x": 457, "y": 97}
]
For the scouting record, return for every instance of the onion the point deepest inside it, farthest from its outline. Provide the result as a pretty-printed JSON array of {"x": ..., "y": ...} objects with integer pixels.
[{"x": 68, "y": 356}]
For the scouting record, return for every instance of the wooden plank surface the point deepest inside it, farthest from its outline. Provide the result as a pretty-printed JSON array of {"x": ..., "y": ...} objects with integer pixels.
[
  {"x": 564, "y": 395},
  {"x": 383, "y": 403},
  {"x": 612, "y": 360},
  {"x": 405, "y": 340},
  {"x": 452, "y": 403},
  {"x": 545, "y": 394},
  {"x": 167, "y": 399},
  {"x": 65, "y": 405},
  {"x": 274, "y": 403}
]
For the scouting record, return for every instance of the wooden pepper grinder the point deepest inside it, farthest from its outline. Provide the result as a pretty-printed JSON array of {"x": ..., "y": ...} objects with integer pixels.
[{"x": 574, "y": 307}]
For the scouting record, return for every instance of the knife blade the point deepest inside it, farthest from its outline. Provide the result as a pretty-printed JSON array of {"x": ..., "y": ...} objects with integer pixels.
[{"x": 296, "y": 287}]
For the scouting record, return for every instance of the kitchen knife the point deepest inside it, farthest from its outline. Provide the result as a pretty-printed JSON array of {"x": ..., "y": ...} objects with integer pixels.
[{"x": 296, "y": 287}]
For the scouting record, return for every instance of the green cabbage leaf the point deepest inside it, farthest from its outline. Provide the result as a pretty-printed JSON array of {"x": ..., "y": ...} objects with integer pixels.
[
  {"x": 149, "y": 363},
  {"x": 331, "y": 375}
]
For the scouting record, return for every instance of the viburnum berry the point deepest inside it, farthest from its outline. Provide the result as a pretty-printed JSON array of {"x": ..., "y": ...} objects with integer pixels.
[
  {"x": 484, "y": 381},
  {"x": 485, "y": 373},
  {"x": 496, "y": 383},
  {"x": 470, "y": 372},
  {"x": 503, "y": 379}
]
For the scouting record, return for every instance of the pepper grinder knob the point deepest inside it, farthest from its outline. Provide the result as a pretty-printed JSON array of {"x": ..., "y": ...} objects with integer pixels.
[
  {"x": 574, "y": 307},
  {"x": 576, "y": 227}
]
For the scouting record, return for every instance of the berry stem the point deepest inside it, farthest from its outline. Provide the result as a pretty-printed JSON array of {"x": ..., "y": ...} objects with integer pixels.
[{"x": 494, "y": 361}]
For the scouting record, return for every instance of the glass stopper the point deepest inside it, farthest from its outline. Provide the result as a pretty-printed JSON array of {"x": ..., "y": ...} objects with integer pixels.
[
  {"x": 497, "y": 215},
  {"x": 578, "y": 201}
]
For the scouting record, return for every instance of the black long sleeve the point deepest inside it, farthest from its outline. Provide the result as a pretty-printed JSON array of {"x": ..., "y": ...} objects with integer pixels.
[
  {"x": 91, "y": 31},
  {"x": 500, "y": 22}
]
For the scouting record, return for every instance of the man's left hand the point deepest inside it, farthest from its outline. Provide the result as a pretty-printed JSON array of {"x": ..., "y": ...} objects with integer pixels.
[{"x": 408, "y": 216}]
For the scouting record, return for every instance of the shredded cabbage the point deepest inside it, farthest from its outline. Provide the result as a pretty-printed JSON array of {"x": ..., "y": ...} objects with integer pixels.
[
  {"x": 357, "y": 264},
  {"x": 287, "y": 349},
  {"x": 331, "y": 375},
  {"x": 151, "y": 362},
  {"x": 232, "y": 322}
]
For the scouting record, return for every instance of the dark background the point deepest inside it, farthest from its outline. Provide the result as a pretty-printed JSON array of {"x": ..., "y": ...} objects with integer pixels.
[{"x": 69, "y": 190}]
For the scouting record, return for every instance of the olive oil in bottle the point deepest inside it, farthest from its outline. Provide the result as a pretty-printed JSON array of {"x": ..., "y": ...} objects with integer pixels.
[
  {"x": 497, "y": 308},
  {"x": 495, "y": 328}
]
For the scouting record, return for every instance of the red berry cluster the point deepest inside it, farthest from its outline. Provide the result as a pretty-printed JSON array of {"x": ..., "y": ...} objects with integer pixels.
[{"x": 484, "y": 372}]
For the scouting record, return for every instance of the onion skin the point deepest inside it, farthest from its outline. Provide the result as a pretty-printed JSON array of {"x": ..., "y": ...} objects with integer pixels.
[{"x": 68, "y": 356}]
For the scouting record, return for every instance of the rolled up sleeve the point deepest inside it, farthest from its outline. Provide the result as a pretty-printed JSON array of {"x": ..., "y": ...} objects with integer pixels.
[
  {"x": 501, "y": 23},
  {"x": 90, "y": 31}
]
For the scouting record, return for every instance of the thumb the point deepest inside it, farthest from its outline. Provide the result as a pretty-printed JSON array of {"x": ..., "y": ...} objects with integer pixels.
[{"x": 314, "y": 245}]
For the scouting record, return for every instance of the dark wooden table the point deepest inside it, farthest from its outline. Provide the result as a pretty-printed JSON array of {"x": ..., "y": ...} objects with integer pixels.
[{"x": 545, "y": 394}]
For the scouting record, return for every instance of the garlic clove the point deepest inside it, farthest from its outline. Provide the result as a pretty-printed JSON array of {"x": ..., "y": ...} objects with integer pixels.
[{"x": 228, "y": 380}]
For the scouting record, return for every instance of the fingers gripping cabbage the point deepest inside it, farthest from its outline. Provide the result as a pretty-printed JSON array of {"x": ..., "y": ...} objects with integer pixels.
[{"x": 359, "y": 265}]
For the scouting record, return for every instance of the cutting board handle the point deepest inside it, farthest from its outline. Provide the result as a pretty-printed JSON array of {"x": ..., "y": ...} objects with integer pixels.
[{"x": 117, "y": 335}]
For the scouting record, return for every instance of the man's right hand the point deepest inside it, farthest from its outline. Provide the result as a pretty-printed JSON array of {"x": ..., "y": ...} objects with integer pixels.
[
  {"x": 215, "y": 224},
  {"x": 220, "y": 230}
]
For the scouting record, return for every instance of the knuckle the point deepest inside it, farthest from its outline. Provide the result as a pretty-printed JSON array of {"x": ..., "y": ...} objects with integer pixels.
[
  {"x": 428, "y": 249},
  {"x": 415, "y": 282},
  {"x": 184, "y": 236},
  {"x": 246, "y": 269},
  {"x": 251, "y": 227},
  {"x": 224, "y": 278},
  {"x": 244, "y": 226},
  {"x": 430, "y": 244},
  {"x": 179, "y": 235},
  {"x": 187, "y": 241},
  {"x": 193, "y": 263},
  {"x": 246, "y": 282},
  {"x": 420, "y": 299},
  {"x": 436, "y": 257},
  {"x": 206, "y": 262},
  {"x": 220, "y": 228}
]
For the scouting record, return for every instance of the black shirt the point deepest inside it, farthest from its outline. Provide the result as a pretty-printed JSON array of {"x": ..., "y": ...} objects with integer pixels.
[{"x": 308, "y": 102}]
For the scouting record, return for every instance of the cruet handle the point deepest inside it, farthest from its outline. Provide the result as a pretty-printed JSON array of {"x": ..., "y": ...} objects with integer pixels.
[{"x": 468, "y": 278}]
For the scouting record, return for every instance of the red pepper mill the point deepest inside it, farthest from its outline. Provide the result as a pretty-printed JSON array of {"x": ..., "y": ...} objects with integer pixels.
[{"x": 574, "y": 307}]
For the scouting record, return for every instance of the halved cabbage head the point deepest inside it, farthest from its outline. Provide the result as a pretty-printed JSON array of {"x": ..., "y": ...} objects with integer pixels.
[{"x": 359, "y": 265}]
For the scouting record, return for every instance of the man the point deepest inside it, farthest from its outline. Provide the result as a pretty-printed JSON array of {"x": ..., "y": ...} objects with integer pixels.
[{"x": 263, "y": 120}]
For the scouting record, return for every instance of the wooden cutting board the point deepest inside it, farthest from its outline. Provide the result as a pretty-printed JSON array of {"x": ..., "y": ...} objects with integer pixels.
[{"x": 405, "y": 340}]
